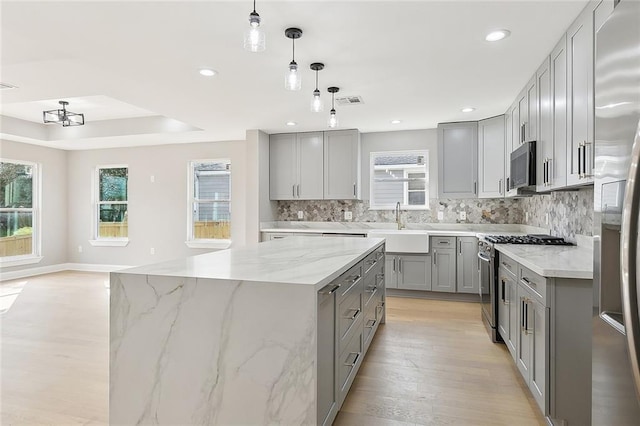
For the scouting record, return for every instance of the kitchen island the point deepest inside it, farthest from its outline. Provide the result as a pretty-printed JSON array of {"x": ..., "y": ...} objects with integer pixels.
[{"x": 231, "y": 337}]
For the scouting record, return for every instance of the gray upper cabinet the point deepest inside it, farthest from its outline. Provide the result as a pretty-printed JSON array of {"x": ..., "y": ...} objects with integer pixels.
[
  {"x": 296, "y": 166},
  {"x": 342, "y": 165},
  {"x": 443, "y": 270},
  {"x": 580, "y": 137},
  {"x": 508, "y": 128},
  {"x": 544, "y": 144},
  {"x": 458, "y": 160},
  {"x": 491, "y": 147},
  {"x": 557, "y": 164},
  {"x": 468, "y": 280}
]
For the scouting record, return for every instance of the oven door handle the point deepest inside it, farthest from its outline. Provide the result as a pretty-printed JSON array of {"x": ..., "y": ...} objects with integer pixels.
[{"x": 483, "y": 258}]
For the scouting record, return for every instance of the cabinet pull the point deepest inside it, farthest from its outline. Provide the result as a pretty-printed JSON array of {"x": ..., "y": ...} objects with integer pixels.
[
  {"x": 354, "y": 315},
  {"x": 354, "y": 190},
  {"x": 435, "y": 255},
  {"x": 506, "y": 265},
  {"x": 460, "y": 247},
  {"x": 528, "y": 281},
  {"x": 503, "y": 298},
  {"x": 352, "y": 279},
  {"x": 508, "y": 188},
  {"x": 400, "y": 265},
  {"x": 521, "y": 313},
  {"x": 475, "y": 187},
  {"x": 293, "y": 190},
  {"x": 580, "y": 146},
  {"x": 298, "y": 190},
  {"x": 522, "y": 133},
  {"x": 394, "y": 264},
  {"x": 329, "y": 289},
  {"x": 371, "y": 288},
  {"x": 584, "y": 159},
  {"x": 370, "y": 323},
  {"x": 354, "y": 361},
  {"x": 544, "y": 172},
  {"x": 526, "y": 316},
  {"x": 500, "y": 186}
]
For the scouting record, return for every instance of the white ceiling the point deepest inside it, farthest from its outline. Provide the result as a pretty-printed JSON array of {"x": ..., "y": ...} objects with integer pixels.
[{"x": 416, "y": 61}]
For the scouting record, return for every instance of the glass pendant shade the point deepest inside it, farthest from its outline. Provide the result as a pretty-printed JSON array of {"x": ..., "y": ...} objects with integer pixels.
[
  {"x": 254, "y": 37},
  {"x": 333, "y": 119},
  {"x": 316, "y": 103},
  {"x": 292, "y": 80}
]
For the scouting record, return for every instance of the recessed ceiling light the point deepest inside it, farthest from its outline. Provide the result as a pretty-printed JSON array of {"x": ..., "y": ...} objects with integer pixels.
[
  {"x": 208, "y": 72},
  {"x": 291, "y": 123},
  {"x": 396, "y": 121},
  {"x": 497, "y": 35},
  {"x": 468, "y": 109}
]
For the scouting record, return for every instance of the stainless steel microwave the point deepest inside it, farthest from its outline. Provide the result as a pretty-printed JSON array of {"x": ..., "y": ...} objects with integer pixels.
[{"x": 523, "y": 166}]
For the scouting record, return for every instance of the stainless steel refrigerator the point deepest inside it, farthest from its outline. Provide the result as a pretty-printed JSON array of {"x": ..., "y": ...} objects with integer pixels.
[{"x": 616, "y": 323}]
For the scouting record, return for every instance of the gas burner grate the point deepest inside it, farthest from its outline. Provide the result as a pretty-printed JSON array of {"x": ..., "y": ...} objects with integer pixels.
[{"x": 537, "y": 239}]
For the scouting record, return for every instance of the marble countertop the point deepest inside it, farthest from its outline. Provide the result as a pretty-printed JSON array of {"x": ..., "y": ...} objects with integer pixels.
[
  {"x": 302, "y": 260},
  {"x": 552, "y": 261}
]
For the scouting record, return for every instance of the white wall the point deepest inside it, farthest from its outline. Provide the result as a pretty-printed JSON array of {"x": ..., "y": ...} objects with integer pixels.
[
  {"x": 53, "y": 172},
  {"x": 401, "y": 141},
  {"x": 157, "y": 212}
]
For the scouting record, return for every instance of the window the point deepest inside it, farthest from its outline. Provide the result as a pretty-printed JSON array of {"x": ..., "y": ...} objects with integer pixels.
[
  {"x": 209, "y": 204},
  {"x": 111, "y": 211},
  {"x": 19, "y": 214},
  {"x": 399, "y": 177}
]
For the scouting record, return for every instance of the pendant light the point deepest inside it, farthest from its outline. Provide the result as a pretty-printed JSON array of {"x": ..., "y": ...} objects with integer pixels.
[
  {"x": 316, "y": 103},
  {"x": 254, "y": 38},
  {"x": 62, "y": 116},
  {"x": 333, "y": 119},
  {"x": 292, "y": 80}
]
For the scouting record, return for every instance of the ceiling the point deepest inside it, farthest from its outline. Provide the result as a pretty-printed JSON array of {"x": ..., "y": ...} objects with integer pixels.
[{"x": 132, "y": 67}]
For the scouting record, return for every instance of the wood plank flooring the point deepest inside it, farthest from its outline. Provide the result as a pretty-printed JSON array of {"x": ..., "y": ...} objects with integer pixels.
[{"x": 431, "y": 364}]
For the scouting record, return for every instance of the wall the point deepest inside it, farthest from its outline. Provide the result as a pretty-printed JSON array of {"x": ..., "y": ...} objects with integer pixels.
[
  {"x": 157, "y": 212},
  {"x": 53, "y": 172},
  {"x": 570, "y": 212}
]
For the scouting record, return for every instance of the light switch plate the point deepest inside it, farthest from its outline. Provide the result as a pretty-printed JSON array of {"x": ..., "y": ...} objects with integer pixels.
[
  {"x": 348, "y": 215},
  {"x": 463, "y": 215},
  {"x": 440, "y": 215},
  {"x": 526, "y": 217},
  {"x": 300, "y": 214}
]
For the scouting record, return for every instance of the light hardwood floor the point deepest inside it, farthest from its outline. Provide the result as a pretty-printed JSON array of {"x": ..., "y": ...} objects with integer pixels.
[{"x": 431, "y": 364}]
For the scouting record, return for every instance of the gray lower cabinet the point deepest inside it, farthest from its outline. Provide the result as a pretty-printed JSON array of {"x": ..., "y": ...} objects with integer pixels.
[
  {"x": 468, "y": 279},
  {"x": 408, "y": 271},
  {"x": 327, "y": 400},
  {"x": 443, "y": 270},
  {"x": 507, "y": 309}
]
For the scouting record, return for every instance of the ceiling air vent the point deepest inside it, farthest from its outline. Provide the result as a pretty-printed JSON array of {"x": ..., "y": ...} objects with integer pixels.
[
  {"x": 7, "y": 86},
  {"x": 349, "y": 100}
]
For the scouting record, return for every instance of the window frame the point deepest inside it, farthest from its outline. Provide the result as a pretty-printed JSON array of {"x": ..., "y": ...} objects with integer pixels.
[
  {"x": 97, "y": 240},
  {"x": 405, "y": 191},
  {"x": 36, "y": 217},
  {"x": 191, "y": 241}
]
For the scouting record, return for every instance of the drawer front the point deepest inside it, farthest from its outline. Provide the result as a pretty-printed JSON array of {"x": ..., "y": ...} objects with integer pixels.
[
  {"x": 349, "y": 314},
  {"x": 373, "y": 284},
  {"x": 443, "y": 242},
  {"x": 348, "y": 363},
  {"x": 508, "y": 265},
  {"x": 373, "y": 259},
  {"x": 535, "y": 283},
  {"x": 348, "y": 282},
  {"x": 370, "y": 324}
]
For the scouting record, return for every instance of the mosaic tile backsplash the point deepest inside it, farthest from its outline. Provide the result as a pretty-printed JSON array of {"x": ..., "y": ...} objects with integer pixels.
[{"x": 570, "y": 212}]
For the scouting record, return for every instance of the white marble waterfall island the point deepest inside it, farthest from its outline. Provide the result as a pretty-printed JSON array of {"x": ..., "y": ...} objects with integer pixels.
[{"x": 232, "y": 337}]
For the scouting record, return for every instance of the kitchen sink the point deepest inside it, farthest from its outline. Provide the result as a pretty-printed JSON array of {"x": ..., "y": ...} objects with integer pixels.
[{"x": 403, "y": 240}]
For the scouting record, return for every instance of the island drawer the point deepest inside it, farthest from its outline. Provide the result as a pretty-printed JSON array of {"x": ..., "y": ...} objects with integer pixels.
[
  {"x": 348, "y": 282},
  {"x": 370, "y": 324},
  {"x": 373, "y": 284},
  {"x": 443, "y": 242},
  {"x": 373, "y": 259},
  {"x": 508, "y": 265},
  {"x": 348, "y": 363},
  {"x": 534, "y": 282},
  {"x": 349, "y": 313}
]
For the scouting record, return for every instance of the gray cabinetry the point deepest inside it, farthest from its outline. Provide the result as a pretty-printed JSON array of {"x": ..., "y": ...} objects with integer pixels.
[
  {"x": 443, "y": 267},
  {"x": 507, "y": 310},
  {"x": 491, "y": 148},
  {"x": 327, "y": 401},
  {"x": 544, "y": 144},
  {"x": 557, "y": 161},
  {"x": 408, "y": 271},
  {"x": 296, "y": 166},
  {"x": 342, "y": 165},
  {"x": 458, "y": 160},
  {"x": 467, "y": 265}
]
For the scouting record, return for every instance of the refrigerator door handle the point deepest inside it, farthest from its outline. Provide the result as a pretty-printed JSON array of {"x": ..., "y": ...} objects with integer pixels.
[{"x": 629, "y": 259}]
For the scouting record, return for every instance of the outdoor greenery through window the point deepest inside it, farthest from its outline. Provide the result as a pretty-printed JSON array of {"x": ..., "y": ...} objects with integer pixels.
[
  {"x": 112, "y": 202},
  {"x": 17, "y": 208},
  {"x": 210, "y": 200},
  {"x": 399, "y": 177}
]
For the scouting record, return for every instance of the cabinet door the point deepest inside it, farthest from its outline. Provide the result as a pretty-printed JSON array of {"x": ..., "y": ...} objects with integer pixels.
[
  {"x": 467, "y": 280},
  {"x": 311, "y": 169},
  {"x": 558, "y": 164},
  {"x": 539, "y": 316},
  {"x": 523, "y": 114},
  {"x": 503, "y": 305},
  {"x": 443, "y": 275},
  {"x": 523, "y": 346},
  {"x": 491, "y": 146},
  {"x": 531, "y": 126},
  {"x": 414, "y": 272},
  {"x": 390, "y": 274},
  {"x": 544, "y": 144},
  {"x": 458, "y": 160},
  {"x": 580, "y": 46},
  {"x": 341, "y": 165},
  {"x": 514, "y": 325},
  {"x": 283, "y": 167},
  {"x": 513, "y": 140},
  {"x": 326, "y": 356}
]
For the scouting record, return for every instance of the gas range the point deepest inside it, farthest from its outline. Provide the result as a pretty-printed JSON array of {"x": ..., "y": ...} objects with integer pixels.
[{"x": 537, "y": 239}]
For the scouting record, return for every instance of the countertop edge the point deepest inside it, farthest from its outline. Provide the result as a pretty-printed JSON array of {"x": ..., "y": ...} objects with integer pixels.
[{"x": 545, "y": 272}]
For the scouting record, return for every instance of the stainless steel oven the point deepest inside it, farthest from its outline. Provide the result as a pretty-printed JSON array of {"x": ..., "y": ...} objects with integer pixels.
[{"x": 488, "y": 288}]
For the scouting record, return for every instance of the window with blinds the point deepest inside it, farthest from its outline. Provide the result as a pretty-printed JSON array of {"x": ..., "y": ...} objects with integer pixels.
[{"x": 399, "y": 177}]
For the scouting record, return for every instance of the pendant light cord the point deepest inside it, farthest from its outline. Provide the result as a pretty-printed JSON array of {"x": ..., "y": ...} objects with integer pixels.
[
  {"x": 293, "y": 41},
  {"x": 316, "y": 79},
  {"x": 254, "y": 6}
]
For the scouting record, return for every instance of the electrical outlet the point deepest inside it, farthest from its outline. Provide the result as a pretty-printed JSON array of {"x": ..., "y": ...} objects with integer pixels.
[
  {"x": 440, "y": 215},
  {"x": 546, "y": 218},
  {"x": 152, "y": 250},
  {"x": 79, "y": 249},
  {"x": 348, "y": 215},
  {"x": 152, "y": 178},
  {"x": 463, "y": 215},
  {"x": 300, "y": 214}
]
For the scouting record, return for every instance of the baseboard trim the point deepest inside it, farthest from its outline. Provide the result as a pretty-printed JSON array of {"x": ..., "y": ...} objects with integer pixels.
[
  {"x": 84, "y": 267},
  {"x": 434, "y": 295}
]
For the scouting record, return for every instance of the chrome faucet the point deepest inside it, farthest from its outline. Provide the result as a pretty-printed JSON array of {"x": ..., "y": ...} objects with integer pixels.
[{"x": 398, "y": 215}]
